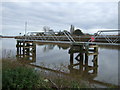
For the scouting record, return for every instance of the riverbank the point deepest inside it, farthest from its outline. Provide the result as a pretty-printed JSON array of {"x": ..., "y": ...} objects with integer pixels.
[
  {"x": 8, "y": 36},
  {"x": 19, "y": 76}
]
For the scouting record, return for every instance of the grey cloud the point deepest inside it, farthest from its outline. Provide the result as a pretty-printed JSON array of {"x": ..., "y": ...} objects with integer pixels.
[{"x": 59, "y": 15}]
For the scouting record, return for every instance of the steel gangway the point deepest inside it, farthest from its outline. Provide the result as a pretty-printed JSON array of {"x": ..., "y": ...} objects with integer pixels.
[
  {"x": 52, "y": 37},
  {"x": 68, "y": 38},
  {"x": 108, "y": 38}
]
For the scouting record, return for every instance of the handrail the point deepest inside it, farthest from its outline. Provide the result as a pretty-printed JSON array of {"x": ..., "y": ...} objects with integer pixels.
[
  {"x": 71, "y": 37},
  {"x": 67, "y": 36},
  {"x": 107, "y": 37}
]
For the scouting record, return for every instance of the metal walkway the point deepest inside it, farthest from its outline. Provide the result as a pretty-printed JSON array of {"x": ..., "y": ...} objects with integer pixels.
[
  {"x": 76, "y": 43},
  {"x": 66, "y": 38}
]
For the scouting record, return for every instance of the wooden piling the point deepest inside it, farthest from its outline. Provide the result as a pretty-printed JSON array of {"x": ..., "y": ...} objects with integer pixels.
[
  {"x": 71, "y": 58},
  {"x": 95, "y": 64},
  {"x": 84, "y": 51},
  {"x": 26, "y": 50},
  {"x": 81, "y": 63}
]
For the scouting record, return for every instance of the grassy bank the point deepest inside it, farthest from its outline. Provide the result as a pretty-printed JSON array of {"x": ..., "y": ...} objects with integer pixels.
[{"x": 19, "y": 76}]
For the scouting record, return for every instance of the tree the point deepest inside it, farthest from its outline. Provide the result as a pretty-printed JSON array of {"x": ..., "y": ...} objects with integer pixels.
[
  {"x": 60, "y": 33},
  {"x": 46, "y": 28},
  {"x": 19, "y": 33},
  {"x": 78, "y": 32},
  {"x": 65, "y": 31}
]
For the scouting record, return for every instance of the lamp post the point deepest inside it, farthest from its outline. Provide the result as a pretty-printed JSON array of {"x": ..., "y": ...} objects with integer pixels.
[{"x": 25, "y": 27}]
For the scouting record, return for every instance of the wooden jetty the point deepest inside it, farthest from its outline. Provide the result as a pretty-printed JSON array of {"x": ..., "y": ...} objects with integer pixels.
[{"x": 26, "y": 50}]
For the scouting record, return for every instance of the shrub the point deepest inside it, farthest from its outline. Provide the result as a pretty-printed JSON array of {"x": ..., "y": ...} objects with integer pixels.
[{"x": 18, "y": 77}]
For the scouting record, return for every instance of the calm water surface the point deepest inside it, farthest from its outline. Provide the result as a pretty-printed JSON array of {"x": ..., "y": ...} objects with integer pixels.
[{"x": 55, "y": 56}]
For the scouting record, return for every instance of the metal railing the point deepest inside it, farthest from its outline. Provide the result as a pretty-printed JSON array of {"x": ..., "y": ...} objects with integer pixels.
[
  {"x": 101, "y": 36},
  {"x": 49, "y": 37}
]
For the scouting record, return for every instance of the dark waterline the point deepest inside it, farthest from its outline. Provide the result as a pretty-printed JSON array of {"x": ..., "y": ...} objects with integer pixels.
[{"x": 57, "y": 55}]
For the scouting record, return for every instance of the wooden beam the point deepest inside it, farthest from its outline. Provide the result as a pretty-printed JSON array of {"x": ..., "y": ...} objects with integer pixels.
[
  {"x": 92, "y": 46},
  {"x": 92, "y": 54}
]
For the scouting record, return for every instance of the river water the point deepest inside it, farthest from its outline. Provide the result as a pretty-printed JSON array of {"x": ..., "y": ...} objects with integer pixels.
[{"x": 55, "y": 56}]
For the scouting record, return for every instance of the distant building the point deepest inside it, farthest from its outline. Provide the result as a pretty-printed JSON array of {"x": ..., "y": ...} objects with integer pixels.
[
  {"x": 60, "y": 33},
  {"x": 49, "y": 32},
  {"x": 72, "y": 29}
]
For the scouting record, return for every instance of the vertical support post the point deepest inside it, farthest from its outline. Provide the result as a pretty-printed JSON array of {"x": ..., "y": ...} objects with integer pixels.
[
  {"x": 27, "y": 49},
  {"x": 86, "y": 58},
  {"x": 20, "y": 48},
  {"x": 81, "y": 63},
  {"x": 81, "y": 59},
  {"x": 23, "y": 49},
  {"x": 95, "y": 63},
  {"x": 17, "y": 49},
  {"x": 71, "y": 58},
  {"x": 34, "y": 52}
]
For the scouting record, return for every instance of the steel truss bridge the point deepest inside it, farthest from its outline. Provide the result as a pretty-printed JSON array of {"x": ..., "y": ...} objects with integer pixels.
[{"x": 104, "y": 37}]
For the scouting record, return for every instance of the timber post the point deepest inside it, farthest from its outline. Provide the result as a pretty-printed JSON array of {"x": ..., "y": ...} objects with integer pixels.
[
  {"x": 26, "y": 50},
  {"x": 83, "y": 52}
]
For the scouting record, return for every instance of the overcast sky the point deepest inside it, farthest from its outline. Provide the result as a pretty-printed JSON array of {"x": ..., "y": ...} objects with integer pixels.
[{"x": 87, "y": 16}]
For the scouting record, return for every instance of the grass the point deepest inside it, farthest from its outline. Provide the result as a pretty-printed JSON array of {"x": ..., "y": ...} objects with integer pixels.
[
  {"x": 21, "y": 76},
  {"x": 18, "y": 76}
]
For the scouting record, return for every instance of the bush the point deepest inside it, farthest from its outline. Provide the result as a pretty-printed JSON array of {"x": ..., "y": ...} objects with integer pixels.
[{"x": 19, "y": 77}]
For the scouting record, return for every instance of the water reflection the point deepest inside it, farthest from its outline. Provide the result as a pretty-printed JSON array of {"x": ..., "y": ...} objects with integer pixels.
[
  {"x": 47, "y": 47},
  {"x": 117, "y": 47}
]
